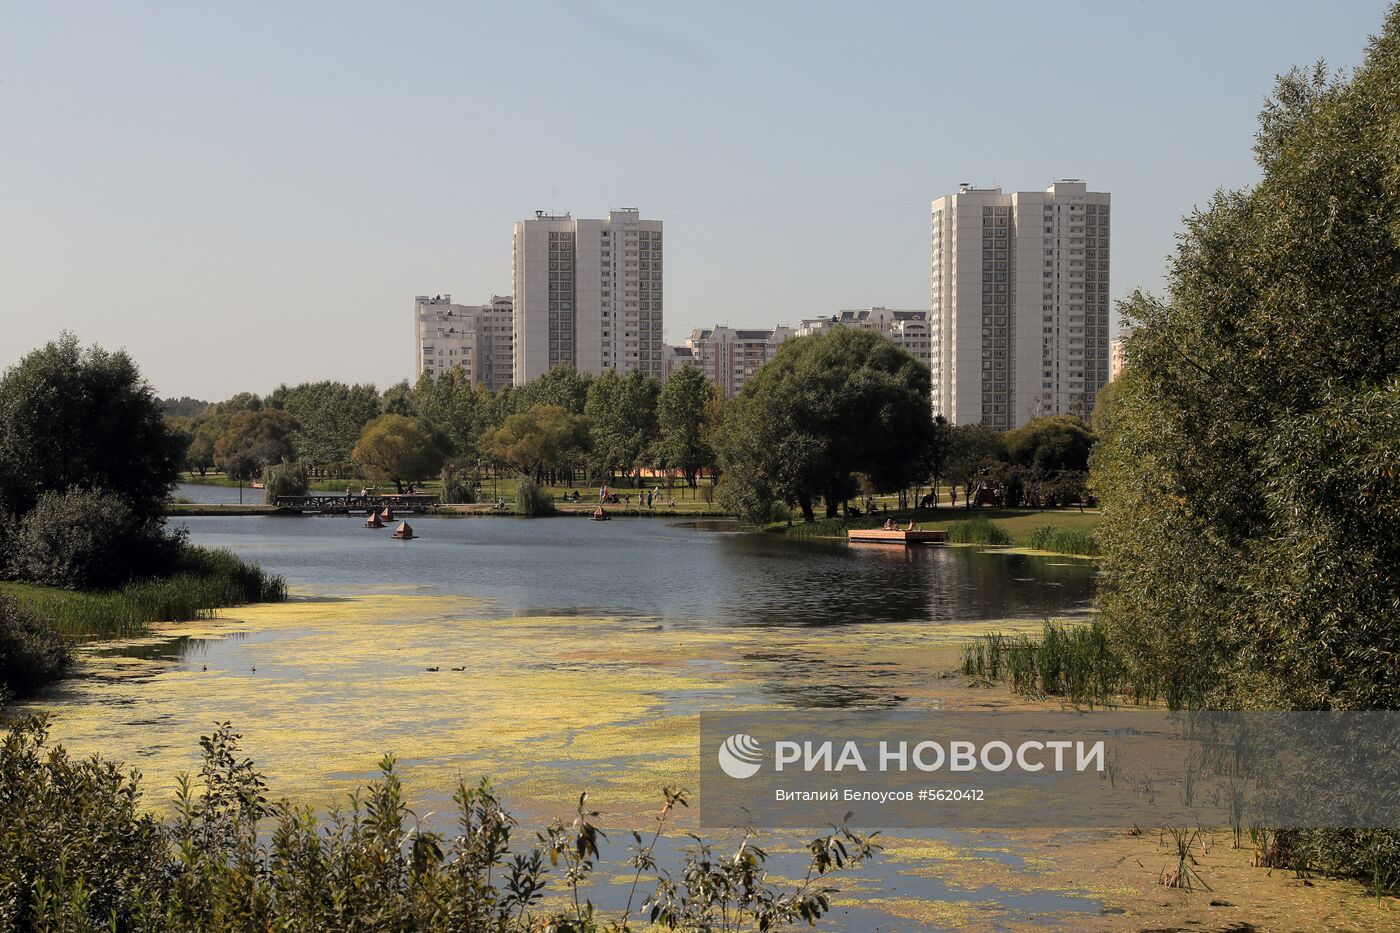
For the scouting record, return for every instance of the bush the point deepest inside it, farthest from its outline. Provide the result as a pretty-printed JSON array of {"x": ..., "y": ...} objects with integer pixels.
[
  {"x": 977, "y": 530},
  {"x": 457, "y": 486},
  {"x": 86, "y": 539},
  {"x": 31, "y": 651},
  {"x": 1065, "y": 540},
  {"x": 533, "y": 499},
  {"x": 284, "y": 479},
  {"x": 79, "y": 850}
]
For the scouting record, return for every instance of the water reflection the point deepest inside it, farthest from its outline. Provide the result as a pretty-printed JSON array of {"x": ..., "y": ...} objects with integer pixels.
[{"x": 683, "y": 571}]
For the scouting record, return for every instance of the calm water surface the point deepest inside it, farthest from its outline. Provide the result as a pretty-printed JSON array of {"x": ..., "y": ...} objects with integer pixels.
[{"x": 705, "y": 571}]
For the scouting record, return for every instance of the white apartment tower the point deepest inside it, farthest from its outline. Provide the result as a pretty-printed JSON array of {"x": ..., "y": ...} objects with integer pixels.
[
  {"x": 1020, "y": 303},
  {"x": 588, "y": 294},
  {"x": 475, "y": 339}
]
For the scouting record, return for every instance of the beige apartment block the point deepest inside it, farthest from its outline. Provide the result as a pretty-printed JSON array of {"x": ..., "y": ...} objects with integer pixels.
[
  {"x": 908, "y": 329},
  {"x": 730, "y": 357},
  {"x": 674, "y": 358},
  {"x": 1116, "y": 359},
  {"x": 475, "y": 339},
  {"x": 588, "y": 294},
  {"x": 1019, "y": 314}
]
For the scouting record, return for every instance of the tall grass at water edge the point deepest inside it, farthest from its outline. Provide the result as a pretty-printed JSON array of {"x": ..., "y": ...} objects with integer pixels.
[
  {"x": 1074, "y": 661},
  {"x": 1080, "y": 541},
  {"x": 205, "y": 581}
]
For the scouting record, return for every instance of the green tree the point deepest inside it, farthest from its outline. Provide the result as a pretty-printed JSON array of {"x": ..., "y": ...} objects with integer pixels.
[
  {"x": 823, "y": 409},
  {"x": 452, "y": 405},
  {"x": 243, "y": 401},
  {"x": 399, "y": 450},
  {"x": 682, "y": 414},
  {"x": 621, "y": 413},
  {"x": 284, "y": 479},
  {"x": 330, "y": 417},
  {"x": 1050, "y": 444},
  {"x": 973, "y": 449},
  {"x": 253, "y": 440},
  {"x": 204, "y": 433},
  {"x": 74, "y": 418},
  {"x": 1248, "y": 480},
  {"x": 398, "y": 399},
  {"x": 547, "y": 437},
  {"x": 562, "y": 385}
]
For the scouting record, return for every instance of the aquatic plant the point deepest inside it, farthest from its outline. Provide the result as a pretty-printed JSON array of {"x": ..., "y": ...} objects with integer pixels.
[
  {"x": 205, "y": 581},
  {"x": 1183, "y": 873},
  {"x": 978, "y": 530},
  {"x": 1064, "y": 540},
  {"x": 78, "y": 852},
  {"x": 1074, "y": 661}
]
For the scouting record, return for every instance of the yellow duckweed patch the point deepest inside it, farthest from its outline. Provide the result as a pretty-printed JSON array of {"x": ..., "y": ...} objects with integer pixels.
[{"x": 549, "y": 706}]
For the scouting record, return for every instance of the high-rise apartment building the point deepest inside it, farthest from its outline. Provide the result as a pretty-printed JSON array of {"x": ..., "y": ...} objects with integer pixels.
[
  {"x": 730, "y": 357},
  {"x": 1020, "y": 303},
  {"x": 588, "y": 294},
  {"x": 908, "y": 329},
  {"x": 473, "y": 338}
]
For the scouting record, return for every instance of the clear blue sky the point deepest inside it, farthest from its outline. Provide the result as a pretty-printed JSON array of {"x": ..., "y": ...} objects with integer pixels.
[{"x": 243, "y": 194}]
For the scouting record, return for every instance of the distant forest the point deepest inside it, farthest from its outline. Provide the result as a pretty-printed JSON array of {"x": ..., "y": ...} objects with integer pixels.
[{"x": 184, "y": 407}]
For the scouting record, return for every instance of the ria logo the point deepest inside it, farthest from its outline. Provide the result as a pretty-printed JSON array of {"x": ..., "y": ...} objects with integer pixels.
[{"x": 740, "y": 756}]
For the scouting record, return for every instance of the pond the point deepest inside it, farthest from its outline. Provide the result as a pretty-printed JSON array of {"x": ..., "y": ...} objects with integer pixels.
[{"x": 558, "y": 655}]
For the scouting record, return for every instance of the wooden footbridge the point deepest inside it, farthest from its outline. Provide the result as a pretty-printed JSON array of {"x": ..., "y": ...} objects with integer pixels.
[{"x": 344, "y": 505}]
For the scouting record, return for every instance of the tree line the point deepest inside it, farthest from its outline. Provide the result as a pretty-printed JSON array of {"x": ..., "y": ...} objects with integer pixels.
[{"x": 833, "y": 417}]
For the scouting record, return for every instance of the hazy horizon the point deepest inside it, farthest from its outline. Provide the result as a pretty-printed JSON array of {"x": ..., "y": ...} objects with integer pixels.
[{"x": 243, "y": 197}]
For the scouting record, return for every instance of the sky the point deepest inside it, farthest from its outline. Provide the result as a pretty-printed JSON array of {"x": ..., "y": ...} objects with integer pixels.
[{"x": 248, "y": 194}]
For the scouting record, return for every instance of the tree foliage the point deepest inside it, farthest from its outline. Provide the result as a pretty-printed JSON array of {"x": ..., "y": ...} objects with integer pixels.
[
  {"x": 1050, "y": 444},
  {"x": 622, "y": 417},
  {"x": 330, "y": 417},
  {"x": 88, "y": 539},
  {"x": 285, "y": 479},
  {"x": 683, "y": 414},
  {"x": 823, "y": 409},
  {"x": 397, "y": 449},
  {"x": 1248, "y": 479},
  {"x": 253, "y": 439},
  {"x": 544, "y": 438},
  {"x": 32, "y": 653},
  {"x": 87, "y": 419}
]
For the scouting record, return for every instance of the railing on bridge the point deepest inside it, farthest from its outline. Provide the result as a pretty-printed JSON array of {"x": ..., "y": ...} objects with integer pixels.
[{"x": 340, "y": 503}]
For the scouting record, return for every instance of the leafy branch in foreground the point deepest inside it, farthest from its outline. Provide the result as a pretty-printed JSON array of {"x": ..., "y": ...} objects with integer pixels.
[{"x": 78, "y": 852}]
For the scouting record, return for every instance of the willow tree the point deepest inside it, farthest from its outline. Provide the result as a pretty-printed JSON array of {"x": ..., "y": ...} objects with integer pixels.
[
  {"x": 824, "y": 409},
  {"x": 1249, "y": 475}
]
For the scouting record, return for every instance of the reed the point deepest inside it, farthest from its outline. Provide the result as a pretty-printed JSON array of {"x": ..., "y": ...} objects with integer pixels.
[
  {"x": 1068, "y": 660},
  {"x": 1065, "y": 540},
  {"x": 978, "y": 530},
  {"x": 204, "y": 581}
]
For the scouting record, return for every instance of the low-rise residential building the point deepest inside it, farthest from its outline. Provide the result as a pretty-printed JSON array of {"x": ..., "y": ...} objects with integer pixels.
[
  {"x": 475, "y": 339},
  {"x": 674, "y": 358},
  {"x": 729, "y": 356},
  {"x": 908, "y": 329}
]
